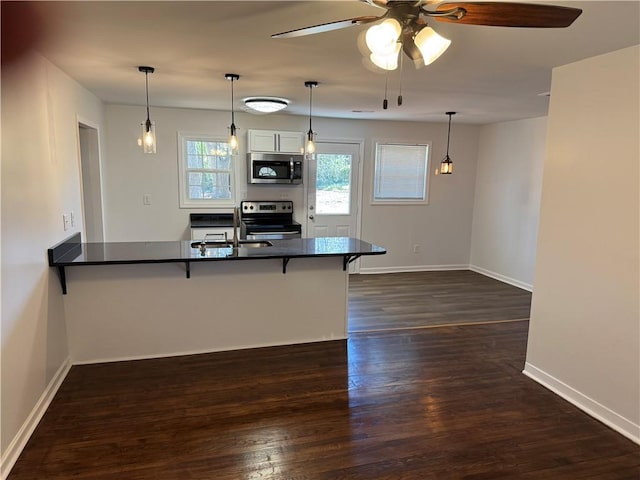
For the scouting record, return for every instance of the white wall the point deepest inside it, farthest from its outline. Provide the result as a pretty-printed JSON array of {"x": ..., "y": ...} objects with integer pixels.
[
  {"x": 584, "y": 338},
  {"x": 507, "y": 200},
  {"x": 40, "y": 181},
  {"x": 177, "y": 316},
  {"x": 442, "y": 228}
]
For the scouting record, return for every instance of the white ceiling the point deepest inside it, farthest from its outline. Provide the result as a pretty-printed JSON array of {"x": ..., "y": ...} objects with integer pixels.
[{"x": 489, "y": 74}]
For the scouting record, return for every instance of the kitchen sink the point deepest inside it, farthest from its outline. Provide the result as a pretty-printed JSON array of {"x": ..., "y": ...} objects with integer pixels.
[
  {"x": 227, "y": 244},
  {"x": 254, "y": 243}
]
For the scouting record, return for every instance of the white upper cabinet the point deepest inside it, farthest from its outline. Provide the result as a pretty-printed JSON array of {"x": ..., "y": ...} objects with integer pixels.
[{"x": 275, "y": 141}]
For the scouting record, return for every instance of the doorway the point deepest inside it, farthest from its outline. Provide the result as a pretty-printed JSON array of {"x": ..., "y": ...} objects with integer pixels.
[
  {"x": 91, "y": 182},
  {"x": 333, "y": 191}
]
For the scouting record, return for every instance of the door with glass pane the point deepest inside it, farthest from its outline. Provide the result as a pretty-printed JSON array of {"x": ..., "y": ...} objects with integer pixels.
[{"x": 332, "y": 203}]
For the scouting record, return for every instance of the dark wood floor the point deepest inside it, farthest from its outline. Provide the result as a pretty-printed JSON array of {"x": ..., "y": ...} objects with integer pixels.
[
  {"x": 438, "y": 403},
  {"x": 424, "y": 299}
]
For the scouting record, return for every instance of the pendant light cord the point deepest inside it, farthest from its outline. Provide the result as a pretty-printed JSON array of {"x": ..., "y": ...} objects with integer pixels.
[
  {"x": 146, "y": 79},
  {"x": 232, "y": 112},
  {"x": 449, "y": 134},
  {"x": 310, "y": 103}
]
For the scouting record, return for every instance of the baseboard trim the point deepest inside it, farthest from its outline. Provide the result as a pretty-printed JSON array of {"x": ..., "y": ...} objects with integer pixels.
[
  {"x": 13, "y": 451},
  {"x": 502, "y": 278},
  {"x": 412, "y": 268},
  {"x": 598, "y": 411}
]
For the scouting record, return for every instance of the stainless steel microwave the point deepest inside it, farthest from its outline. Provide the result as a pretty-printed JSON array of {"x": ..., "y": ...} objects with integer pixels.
[{"x": 275, "y": 168}]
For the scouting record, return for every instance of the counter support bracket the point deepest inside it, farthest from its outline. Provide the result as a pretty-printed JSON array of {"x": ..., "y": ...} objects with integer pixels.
[
  {"x": 188, "y": 268},
  {"x": 347, "y": 259},
  {"x": 63, "y": 279},
  {"x": 285, "y": 262}
]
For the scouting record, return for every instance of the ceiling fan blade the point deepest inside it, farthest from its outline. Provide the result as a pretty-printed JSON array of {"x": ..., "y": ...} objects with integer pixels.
[
  {"x": 376, "y": 3},
  {"x": 326, "y": 27},
  {"x": 503, "y": 14}
]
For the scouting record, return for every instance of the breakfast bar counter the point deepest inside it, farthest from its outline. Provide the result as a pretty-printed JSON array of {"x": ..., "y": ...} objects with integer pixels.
[{"x": 130, "y": 300}]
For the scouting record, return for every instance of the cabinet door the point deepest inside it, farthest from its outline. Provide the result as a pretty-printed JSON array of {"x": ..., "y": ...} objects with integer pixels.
[
  {"x": 291, "y": 142},
  {"x": 262, "y": 141}
]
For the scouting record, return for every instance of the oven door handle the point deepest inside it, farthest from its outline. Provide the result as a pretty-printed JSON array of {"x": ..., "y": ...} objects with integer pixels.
[{"x": 273, "y": 233}]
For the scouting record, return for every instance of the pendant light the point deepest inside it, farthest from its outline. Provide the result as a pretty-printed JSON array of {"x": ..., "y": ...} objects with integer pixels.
[
  {"x": 446, "y": 165},
  {"x": 310, "y": 146},
  {"x": 233, "y": 138},
  {"x": 148, "y": 140}
]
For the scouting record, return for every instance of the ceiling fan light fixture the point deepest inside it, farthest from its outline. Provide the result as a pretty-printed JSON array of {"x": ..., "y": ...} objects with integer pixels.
[
  {"x": 382, "y": 39},
  {"x": 388, "y": 61},
  {"x": 266, "y": 104},
  {"x": 430, "y": 44}
]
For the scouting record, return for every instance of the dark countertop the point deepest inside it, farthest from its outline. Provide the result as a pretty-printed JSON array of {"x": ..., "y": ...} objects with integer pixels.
[{"x": 71, "y": 252}]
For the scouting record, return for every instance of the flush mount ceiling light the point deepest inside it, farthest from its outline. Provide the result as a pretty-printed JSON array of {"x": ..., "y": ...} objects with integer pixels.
[
  {"x": 148, "y": 140},
  {"x": 446, "y": 165},
  {"x": 233, "y": 138},
  {"x": 404, "y": 25},
  {"x": 310, "y": 146},
  {"x": 266, "y": 104}
]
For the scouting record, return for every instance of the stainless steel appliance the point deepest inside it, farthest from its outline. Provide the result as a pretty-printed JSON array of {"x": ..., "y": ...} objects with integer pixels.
[
  {"x": 276, "y": 168},
  {"x": 268, "y": 220}
]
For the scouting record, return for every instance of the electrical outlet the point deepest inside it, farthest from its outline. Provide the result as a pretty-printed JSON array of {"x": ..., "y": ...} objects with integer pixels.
[
  {"x": 416, "y": 249},
  {"x": 146, "y": 199},
  {"x": 72, "y": 219},
  {"x": 66, "y": 221}
]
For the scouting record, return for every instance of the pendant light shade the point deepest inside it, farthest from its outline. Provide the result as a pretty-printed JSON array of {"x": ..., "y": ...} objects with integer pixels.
[
  {"x": 446, "y": 165},
  {"x": 233, "y": 137},
  {"x": 148, "y": 140},
  {"x": 310, "y": 146}
]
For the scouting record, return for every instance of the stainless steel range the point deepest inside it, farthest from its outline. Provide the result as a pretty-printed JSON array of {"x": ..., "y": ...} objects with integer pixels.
[{"x": 268, "y": 220}]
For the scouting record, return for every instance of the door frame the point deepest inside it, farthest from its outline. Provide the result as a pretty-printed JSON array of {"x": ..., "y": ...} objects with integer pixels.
[
  {"x": 84, "y": 122},
  {"x": 359, "y": 179}
]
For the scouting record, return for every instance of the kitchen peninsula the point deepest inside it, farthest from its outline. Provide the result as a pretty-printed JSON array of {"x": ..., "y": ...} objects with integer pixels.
[{"x": 131, "y": 300}]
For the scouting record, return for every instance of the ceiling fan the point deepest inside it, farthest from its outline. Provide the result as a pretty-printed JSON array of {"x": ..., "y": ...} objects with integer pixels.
[{"x": 405, "y": 27}]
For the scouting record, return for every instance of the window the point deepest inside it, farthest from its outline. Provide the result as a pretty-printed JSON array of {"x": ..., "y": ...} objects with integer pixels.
[
  {"x": 333, "y": 184},
  {"x": 206, "y": 172},
  {"x": 400, "y": 174}
]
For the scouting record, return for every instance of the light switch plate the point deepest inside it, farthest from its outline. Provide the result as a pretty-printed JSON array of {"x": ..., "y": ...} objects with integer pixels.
[{"x": 146, "y": 199}]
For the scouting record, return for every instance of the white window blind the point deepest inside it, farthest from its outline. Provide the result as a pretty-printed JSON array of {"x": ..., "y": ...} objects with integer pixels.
[{"x": 401, "y": 173}]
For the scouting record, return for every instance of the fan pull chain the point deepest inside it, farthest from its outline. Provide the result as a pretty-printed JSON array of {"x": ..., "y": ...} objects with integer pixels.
[
  {"x": 385, "y": 102},
  {"x": 400, "y": 92}
]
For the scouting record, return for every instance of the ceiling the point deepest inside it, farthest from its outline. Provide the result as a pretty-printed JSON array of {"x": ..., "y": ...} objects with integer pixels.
[{"x": 489, "y": 74}]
